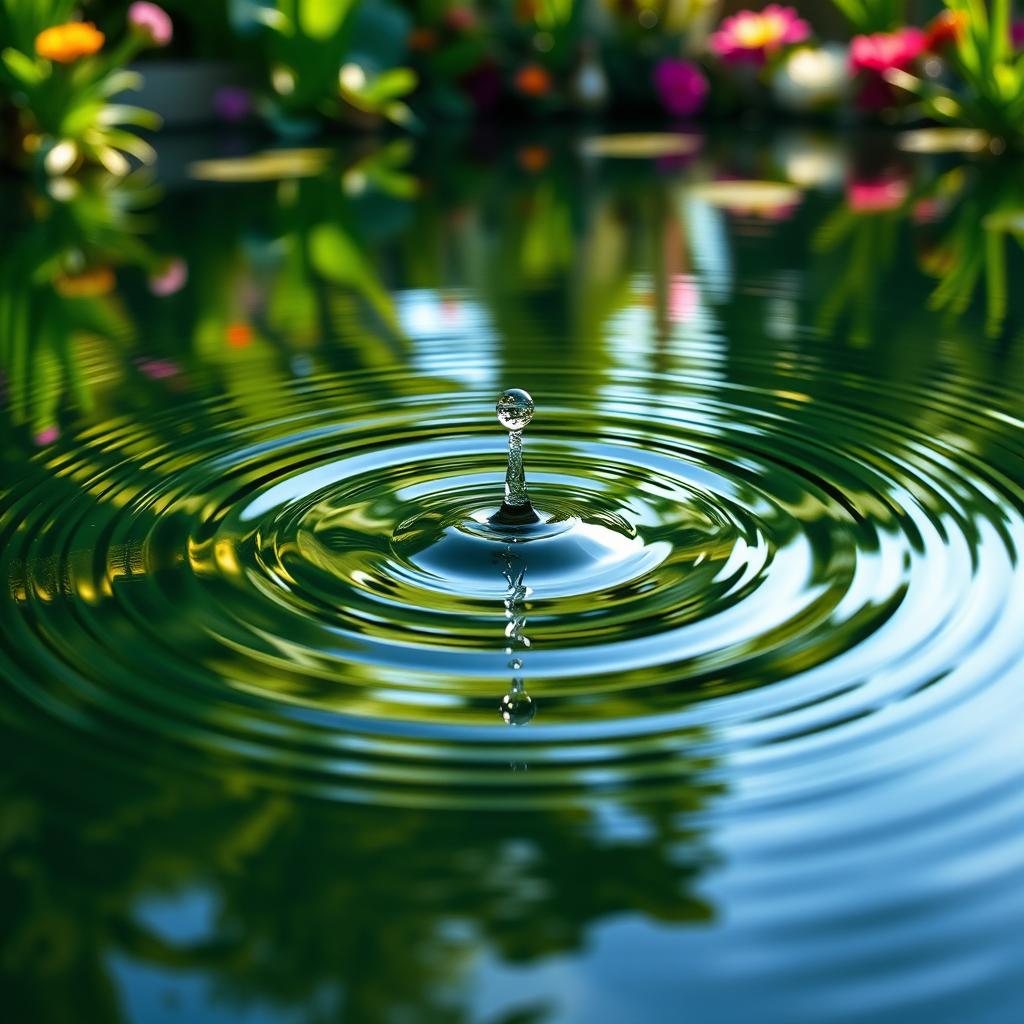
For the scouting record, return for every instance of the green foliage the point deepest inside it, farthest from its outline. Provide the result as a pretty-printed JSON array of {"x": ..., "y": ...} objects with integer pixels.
[
  {"x": 309, "y": 52},
  {"x": 866, "y": 16},
  {"x": 22, "y": 20},
  {"x": 66, "y": 116},
  {"x": 991, "y": 96}
]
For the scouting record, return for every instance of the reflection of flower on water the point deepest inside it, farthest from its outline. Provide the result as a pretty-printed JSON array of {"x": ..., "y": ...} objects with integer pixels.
[
  {"x": 877, "y": 195},
  {"x": 46, "y": 436},
  {"x": 767, "y": 200},
  {"x": 86, "y": 284},
  {"x": 170, "y": 279}
]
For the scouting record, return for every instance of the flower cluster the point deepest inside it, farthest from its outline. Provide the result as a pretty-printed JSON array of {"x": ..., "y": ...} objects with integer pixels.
[{"x": 63, "y": 80}]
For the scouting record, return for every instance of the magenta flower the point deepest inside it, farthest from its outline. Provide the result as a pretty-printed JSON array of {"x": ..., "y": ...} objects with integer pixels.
[
  {"x": 681, "y": 85},
  {"x": 1017, "y": 35},
  {"x": 152, "y": 22},
  {"x": 232, "y": 103},
  {"x": 753, "y": 36},
  {"x": 171, "y": 278},
  {"x": 886, "y": 50}
]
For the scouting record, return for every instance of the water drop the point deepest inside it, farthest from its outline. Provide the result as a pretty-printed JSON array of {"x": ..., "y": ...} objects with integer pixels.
[
  {"x": 517, "y": 705},
  {"x": 514, "y": 411}
]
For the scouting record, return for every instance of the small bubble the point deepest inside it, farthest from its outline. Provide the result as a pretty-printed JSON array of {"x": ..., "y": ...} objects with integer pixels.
[{"x": 514, "y": 409}]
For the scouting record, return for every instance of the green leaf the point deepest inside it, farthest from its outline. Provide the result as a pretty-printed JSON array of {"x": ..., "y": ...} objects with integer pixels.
[
  {"x": 322, "y": 19},
  {"x": 26, "y": 70},
  {"x": 119, "y": 113},
  {"x": 119, "y": 81},
  {"x": 380, "y": 95}
]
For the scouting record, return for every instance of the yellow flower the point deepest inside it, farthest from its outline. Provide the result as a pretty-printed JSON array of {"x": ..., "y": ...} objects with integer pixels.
[{"x": 66, "y": 43}]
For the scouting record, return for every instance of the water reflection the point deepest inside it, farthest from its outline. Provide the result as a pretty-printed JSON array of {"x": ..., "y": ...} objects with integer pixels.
[{"x": 200, "y": 851}]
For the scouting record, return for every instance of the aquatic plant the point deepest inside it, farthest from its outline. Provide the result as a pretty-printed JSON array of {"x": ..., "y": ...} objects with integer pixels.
[
  {"x": 62, "y": 82},
  {"x": 988, "y": 92}
]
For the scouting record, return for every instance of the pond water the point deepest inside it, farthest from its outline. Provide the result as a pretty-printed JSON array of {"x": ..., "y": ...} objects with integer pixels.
[{"x": 268, "y": 753}]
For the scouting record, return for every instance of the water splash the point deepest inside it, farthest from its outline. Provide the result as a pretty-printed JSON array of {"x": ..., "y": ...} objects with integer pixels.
[{"x": 515, "y": 410}]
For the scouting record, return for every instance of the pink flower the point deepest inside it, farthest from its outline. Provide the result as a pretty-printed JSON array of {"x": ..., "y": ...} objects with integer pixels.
[
  {"x": 47, "y": 436},
  {"x": 876, "y": 195},
  {"x": 171, "y": 279},
  {"x": 886, "y": 50},
  {"x": 1017, "y": 35},
  {"x": 753, "y": 36},
  {"x": 681, "y": 85},
  {"x": 152, "y": 22}
]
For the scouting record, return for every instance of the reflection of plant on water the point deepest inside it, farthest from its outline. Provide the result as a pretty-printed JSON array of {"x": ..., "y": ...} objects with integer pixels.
[
  {"x": 964, "y": 218},
  {"x": 61, "y": 318},
  {"x": 306, "y": 901}
]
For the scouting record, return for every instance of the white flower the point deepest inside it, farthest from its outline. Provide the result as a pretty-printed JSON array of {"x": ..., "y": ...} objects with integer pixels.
[{"x": 811, "y": 78}]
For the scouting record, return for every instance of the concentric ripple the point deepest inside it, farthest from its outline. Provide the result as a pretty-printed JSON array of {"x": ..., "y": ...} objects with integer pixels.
[{"x": 318, "y": 594}]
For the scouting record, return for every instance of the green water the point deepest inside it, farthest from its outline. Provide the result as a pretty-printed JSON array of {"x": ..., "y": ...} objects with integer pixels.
[{"x": 292, "y": 731}]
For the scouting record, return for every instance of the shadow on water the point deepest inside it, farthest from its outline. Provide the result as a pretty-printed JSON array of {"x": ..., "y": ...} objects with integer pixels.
[{"x": 178, "y": 846}]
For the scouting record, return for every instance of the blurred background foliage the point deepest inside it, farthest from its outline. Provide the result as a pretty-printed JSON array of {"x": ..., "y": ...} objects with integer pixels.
[{"x": 301, "y": 67}]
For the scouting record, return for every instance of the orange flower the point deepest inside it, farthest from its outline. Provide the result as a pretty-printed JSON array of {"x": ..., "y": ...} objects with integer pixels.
[
  {"x": 86, "y": 285},
  {"x": 239, "y": 334},
  {"x": 422, "y": 39},
  {"x": 66, "y": 43},
  {"x": 533, "y": 158},
  {"x": 944, "y": 30},
  {"x": 533, "y": 80}
]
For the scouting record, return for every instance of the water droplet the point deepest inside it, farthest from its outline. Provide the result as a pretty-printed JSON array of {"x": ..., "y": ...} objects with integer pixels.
[
  {"x": 517, "y": 707},
  {"x": 514, "y": 409}
]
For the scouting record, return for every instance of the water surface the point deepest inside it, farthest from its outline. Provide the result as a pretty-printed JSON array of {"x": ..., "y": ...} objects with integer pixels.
[{"x": 256, "y": 642}]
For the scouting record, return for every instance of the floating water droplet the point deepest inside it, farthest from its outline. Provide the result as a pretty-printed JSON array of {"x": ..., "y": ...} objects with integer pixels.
[{"x": 514, "y": 409}]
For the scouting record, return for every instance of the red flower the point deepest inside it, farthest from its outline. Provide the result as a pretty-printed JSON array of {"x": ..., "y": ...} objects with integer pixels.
[{"x": 944, "y": 30}]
